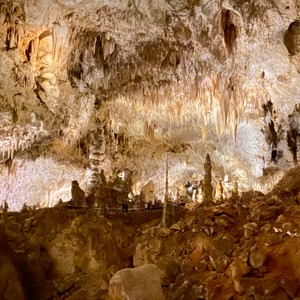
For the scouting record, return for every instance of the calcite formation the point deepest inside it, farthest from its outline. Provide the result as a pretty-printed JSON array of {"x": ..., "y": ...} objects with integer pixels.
[
  {"x": 106, "y": 106},
  {"x": 207, "y": 187},
  {"x": 116, "y": 84}
]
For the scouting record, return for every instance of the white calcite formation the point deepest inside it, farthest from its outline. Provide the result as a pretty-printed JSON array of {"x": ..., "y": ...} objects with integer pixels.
[{"x": 183, "y": 77}]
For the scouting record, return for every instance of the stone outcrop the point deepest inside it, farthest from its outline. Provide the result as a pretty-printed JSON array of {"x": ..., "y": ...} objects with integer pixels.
[
  {"x": 78, "y": 195},
  {"x": 134, "y": 284}
]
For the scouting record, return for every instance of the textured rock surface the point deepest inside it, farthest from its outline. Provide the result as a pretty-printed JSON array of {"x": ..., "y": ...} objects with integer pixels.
[
  {"x": 139, "y": 283},
  {"x": 188, "y": 77},
  {"x": 11, "y": 286},
  {"x": 69, "y": 252}
]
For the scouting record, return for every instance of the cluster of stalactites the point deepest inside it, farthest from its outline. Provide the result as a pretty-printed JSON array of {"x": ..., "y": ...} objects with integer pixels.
[
  {"x": 15, "y": 138},
  {"x": 220, "y": 101},
  {"x": 12, "y": 16},
  {"x": 90, "y": 52}
]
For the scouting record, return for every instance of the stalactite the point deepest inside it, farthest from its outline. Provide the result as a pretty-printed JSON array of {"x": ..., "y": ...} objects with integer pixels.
[
  {"x": 33, "y": 51},
  {"x": 217, "y": 124},
  {"x": 55, "y": 41},
  {"x": 234, "y": 124},
  {"x": 149, "y": 132},
  {"x": 108, "y": 45}
]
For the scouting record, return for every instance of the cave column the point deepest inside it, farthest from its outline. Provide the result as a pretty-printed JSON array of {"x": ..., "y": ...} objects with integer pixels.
[
  {"x": 97, "y": 158},
  {"x": 207, "y": 188}
]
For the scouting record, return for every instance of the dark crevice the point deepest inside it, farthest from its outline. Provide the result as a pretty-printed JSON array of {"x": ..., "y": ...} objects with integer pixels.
[
  {"x": 44, "y": 34},
  {"x": 292, "y": 38},
  {"x": 28, "y": 51},
  {"x": 293, "y": 134},
  {"x": 229, "y": 29}
]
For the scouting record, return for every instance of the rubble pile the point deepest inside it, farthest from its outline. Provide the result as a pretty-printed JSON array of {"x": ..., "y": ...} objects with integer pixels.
[{"x": 239, "y": 248}]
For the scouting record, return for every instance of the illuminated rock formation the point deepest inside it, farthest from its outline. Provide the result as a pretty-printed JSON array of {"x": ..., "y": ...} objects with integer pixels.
[{"x": 158, "y": 74}]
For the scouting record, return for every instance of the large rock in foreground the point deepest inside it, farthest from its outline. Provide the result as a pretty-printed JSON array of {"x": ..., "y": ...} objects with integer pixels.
[
  {"x": 11, "y": 286},
  {"x": 136, "y": 283}
]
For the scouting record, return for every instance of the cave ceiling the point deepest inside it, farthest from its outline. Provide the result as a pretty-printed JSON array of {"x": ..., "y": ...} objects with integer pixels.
[{"x": 129, "y": 81}]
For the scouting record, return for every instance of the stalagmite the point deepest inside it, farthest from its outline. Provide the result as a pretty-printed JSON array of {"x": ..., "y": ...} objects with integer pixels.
[
  {"x": 96, "y": 157},
  {"x": 219, "y": 191},
  {"x": 167, "y": 181},
  {"x": 169, "y": 215},
  {"x": 78, "y": 196},
  {"x": 207, "y": 188},
  {"x": 235, "y": 191},
  {"x": 298, "y": 150},
  {"x": 4, "y": 213}
]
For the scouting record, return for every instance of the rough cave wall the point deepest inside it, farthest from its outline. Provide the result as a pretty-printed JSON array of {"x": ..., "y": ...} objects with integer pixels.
[{"x": 164, "y": 74}]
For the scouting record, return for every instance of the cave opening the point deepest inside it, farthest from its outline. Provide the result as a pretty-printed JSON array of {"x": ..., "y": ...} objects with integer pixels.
[
  {"x": 229, "y": 30},
  {"x": 293, "y": 134},
  {"x": 292, "y": 37}
]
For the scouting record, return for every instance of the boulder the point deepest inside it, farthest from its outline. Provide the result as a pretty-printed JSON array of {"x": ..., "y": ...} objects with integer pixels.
[
  {"x": 136, "y": 283},
  {"x": 249, "y": 229},
  {"x": 218, "y": 260},
  {"x": 179, "y": 226},
  {"x": 280, "y": 219},
  {"x": 257, "y": 258},
  {"x": 272, "y": 239},
  {"x": 224, "y": 246},
  {"x": 164, "y": 232},
  {"x": 237, "y": 269},
  {"x": 196, "y": 255},
  {"x": 238, "y": 286}
]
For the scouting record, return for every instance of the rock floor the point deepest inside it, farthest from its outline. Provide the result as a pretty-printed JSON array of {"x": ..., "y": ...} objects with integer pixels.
[{"x": 244, "y": 248}]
